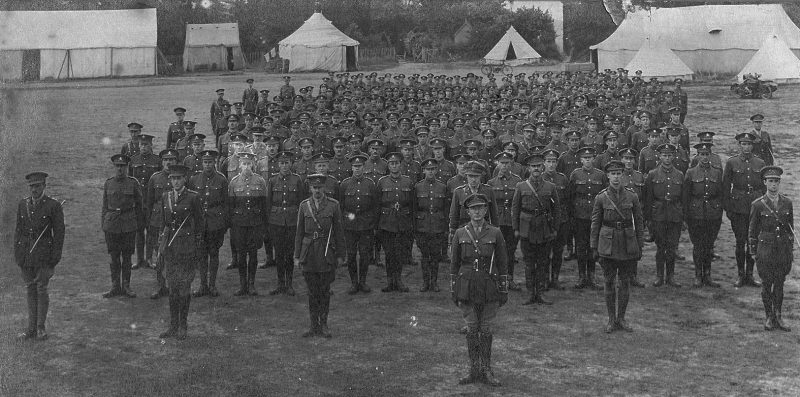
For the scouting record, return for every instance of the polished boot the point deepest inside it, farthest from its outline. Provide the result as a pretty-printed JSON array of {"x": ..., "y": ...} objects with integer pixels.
[
  {"x": 33, "y": 315},
  {"x": 777, "y": 305},
  {"x": 313, "y": 330},
  {"x": 183, "y": 314},
  {"x": 611, "y": 307},
  {"x": 750, "y": 281},
  {"x": 289, "y": 282},
  {"x": 126, "y": 289},
  {"x": 473, "y": 350},
  {"x": 739, "y": 281},
  {"x": 671, "y": 282},
  {"x": 623, "y": 295},
  {"x": 43, "y": 303},
  {"x": 707, "y": 277},
  {"x": 486, "y": 360},
  {"x": 362, "y": 280},
  {"x": 114, "y": 291},
  {"x": 426, "y": 276},
  {"x": 242, "y": 282},
  {"x": 635, "y": 278},
  {"x": 769, "y": 322},
  {"x": 251, "y": 275},
  {"x": 281, "y": 287},
  {"x": 323, "y": 326},
  {"x": 590, "y": 281},
  {"x": 174, "y": 316},
  {"x": 115, "y": 284},
  {"x": 659, "y": 275}
]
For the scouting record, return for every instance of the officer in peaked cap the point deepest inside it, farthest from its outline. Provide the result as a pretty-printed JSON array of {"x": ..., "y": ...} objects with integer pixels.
[{"x": 762, "y": 142}]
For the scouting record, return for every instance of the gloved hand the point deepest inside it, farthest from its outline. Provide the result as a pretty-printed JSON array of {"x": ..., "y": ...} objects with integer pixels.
[
  {"x": 595, "y": 254},
  {"x": 503, "y": 299}
]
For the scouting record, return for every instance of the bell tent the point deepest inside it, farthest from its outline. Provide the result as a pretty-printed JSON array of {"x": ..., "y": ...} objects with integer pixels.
[
  {"x": 212, "y": 46},
  {"x": 774, "y": 61},
  {"x": 319, "y": 46},
  {"x": 77, "y": 44},
  {"x": 512, "y": 50},
  {"x": 656, "y": 60}
]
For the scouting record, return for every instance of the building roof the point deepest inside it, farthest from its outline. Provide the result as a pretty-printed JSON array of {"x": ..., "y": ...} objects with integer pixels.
[{"x": 26, "y": 30}]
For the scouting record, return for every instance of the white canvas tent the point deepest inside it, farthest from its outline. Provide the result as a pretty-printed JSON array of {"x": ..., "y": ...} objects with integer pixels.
[
  {"x": 77, "y": 44},
  {"x": 212, "y": 46},
  {"x": 774, "y": 61},
  {"x": 655, "y": 60},
  {"x": 318, "y": 45},
  {"x": 708, "y": 39},
  {"x": 512, "y": 49}
]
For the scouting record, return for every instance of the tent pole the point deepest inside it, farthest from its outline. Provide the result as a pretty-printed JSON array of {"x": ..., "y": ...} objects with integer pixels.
[
  {"x": 111, "y": 66},
  {"x": 66, "y": 54}
]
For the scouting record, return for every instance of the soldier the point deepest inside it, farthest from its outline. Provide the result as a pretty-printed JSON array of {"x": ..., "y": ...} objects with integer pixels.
[
  {"x": 762, "y": 143},
  {"x": 409, "y": 167},
  {"x": 702, "y": 201},
  {"x": 359, "y": 204},
  {"x": 304, "y": 165},
  {"x": 535, "y": 215},
  {"x": 176, "y": 130},
  {"x": 212, "y": 190},
  {"x": 250, "y": 97},
  {"x": 770, "y": 238},
  {"x": 231, "y": 166},
  {"x": 122, "y": 216},
  {"x": 681, "y": 161},
  {"x": 131, "y": 148},
  {"x": 432, "y": 204},
  {"x": 648, "y": 156},
  {"x": 38, "y": 241},
  {"x": 445, "y": 168},
  {"x": 217, "y": 108},
  {"x": 663, "y": 190},
  {"x": 247, "y": 209},
  {"x": 321, "y": 162},
  {"x": 479, "y": 285},
  {"x": 459, "y": 216},
  {"x": 396, "y": 222},
  {"x": 617, "y": 240},
  {"x": 707, "y": 137},
  {"x": 156, "y": 186},
  {"x": 193, "y": 160},
  {"x": 339, "y": 166},
  {"x": 318, "y": 247},
  {"x": 561, "y": 182},
  {"x": 503, "y": 187},
  {"x": 142, "y": 166},
  {"x": 568, "y": 162},
  {"x": 611, "y": 140},
  {"x": 584, "y": 185},
  {"x": 741, "y": 184},
  {"x": 287, "y": 94},
  {"x": 183, "y": 235},
  {"x": 633, "y": 180},
  {"x": 284, "y": 193}
]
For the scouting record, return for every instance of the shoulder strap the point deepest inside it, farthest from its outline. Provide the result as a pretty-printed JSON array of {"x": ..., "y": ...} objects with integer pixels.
[
  {"x": 311, "y": 212},
  {"x": 472, "y": 238},
  {"x": 528, "y": 182},
  {"x": 614, "y": 205}
]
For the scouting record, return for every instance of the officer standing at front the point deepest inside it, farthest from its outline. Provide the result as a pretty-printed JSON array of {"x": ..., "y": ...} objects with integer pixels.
[
  {"x": 212, "y": 191},
  {"x": 535, "y": 213},
  {"x": 121, "y": 217},
  {"x": 396, "y": 221},
  {"x": 618, "y": 240},
  {"x": 38, "y": 241},
  {"x": 771, "y": 241},
  {"x": 479, "y": 285},
  {"x": 741, "y": 184},
  {"x": 663, "y": 191},
  {"x": 284, "y": 193},
  {"x": 702, "y": 203},
  {"x": 319, "y": 247},
  {"x": 182, "y": 239},
  {"x": 247, "y": 211}
]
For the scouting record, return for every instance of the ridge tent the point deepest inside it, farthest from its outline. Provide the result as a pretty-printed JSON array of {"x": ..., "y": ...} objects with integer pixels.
[
  {"x": 708, "y": 39},
  {"x": 774, "y": 61},
  {"x": 318, "y": 45},
  {"x": 656, "y": 60},
  {"x": 212, "y": 46},
  {"x": 512, "y": 50},
  {"x": 77, "y": 44}
]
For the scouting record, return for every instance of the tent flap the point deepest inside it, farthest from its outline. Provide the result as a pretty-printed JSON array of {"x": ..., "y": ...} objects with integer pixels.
[{"x": 522, "y": 51}]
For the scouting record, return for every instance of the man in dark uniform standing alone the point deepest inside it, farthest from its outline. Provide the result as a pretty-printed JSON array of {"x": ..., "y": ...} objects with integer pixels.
[
  {"x": 121, "y": 216},
  {"x": 319, "y": 247},
  {"x": 617, "y": 240},
  {"x": 38, "y": 241},
  {"x": 741, "y": 184},
  {"x": 771, "y": 241},
  {"x": 479, "y": 285}
]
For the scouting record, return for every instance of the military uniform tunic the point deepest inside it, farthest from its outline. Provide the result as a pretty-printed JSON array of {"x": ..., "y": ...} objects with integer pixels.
[
  {"x": 247, "y": 209},
  {"x": 663, "y": 193},
  {"x": 458, "y": 214},
  {"x": 43, "y": 217},
  {"x": 184, "y": 226},
  {"x": 741, "y": 185},
  {"x": 771, "y": 225},
  {"x": 702, "y": 203},
  {"x": 479, "y": 258},
  {"x": 582, "y": 189},
  {"x": 396, "y": 220}
]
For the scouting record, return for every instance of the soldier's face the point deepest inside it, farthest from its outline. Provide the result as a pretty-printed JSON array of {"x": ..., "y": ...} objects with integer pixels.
[
  {"x": 198, "y": 147},
  {"x": 673, "y": 138},
  {"x": 374, "y": 151},
  {"x": 407, "y": 152},
  {"x": 757, "y": 125},
  {"x": 321, "y": 167},
  {"x": 394, "y": 166},
  {"x": 165, "y": 163},
  {"x": 586, "y": 161},
  {"x": 208, "y": 165},
  {"x": 550, "y": 164},
  {"x": 358, "y": 170},
  {"x": 177, "y": 182},
  {"x": 180, "y": 116},
  {"x": 135, "y": 133},
  {"x": 317, "y": 192},
  {"x": 37, "y": 189},
  {"x": 477, "y": 213},
  {"x": 773, "y": 185},
  {"x": 232, "y": 124},
  {"x": 666, "y": 158},
  {"x": 146, "y": 147},
  {"x": 614, "y": 177},
  {"x": 747, "y": 147},
  {"x": 430, "y": 173},
  {"x": 629, "y": 162},
  {"x": 536, "y": 170},
  {"x": 612, "y": 143},
  {"x": 306, "y": 150},
  {"x": 675, "y": 118},
  {"x": 246, "y": 165},
  {"x": 473, "y": 180},
  {"x": 121, "y": 169},
  {"x": 504, "y": 166}
]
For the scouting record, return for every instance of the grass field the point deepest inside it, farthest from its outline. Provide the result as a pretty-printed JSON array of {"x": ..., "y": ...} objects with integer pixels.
[{"x": 686, "y": 341}]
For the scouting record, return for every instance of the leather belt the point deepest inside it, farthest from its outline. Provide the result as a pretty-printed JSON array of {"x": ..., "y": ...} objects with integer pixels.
[
  {"x": 316, "y": 235},
  {"x": 534, "y": 212},
  {"x": 121, "y": 209},
  {"x": 618, "y": 224}
]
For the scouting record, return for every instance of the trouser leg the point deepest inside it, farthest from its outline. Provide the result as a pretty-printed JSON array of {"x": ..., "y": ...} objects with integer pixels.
[
  {"x": 352, "y": 241},
  {"x": 657, "y": 229},
  {"x": 33, "y": 306},
  {"x": 624, "y": 287},
  {"x": 42, "y": 296},
  {"x": 140, "y": 243},
  {"x": 673, "y": 230},
  {"x": 557, "y": 255},
  {"x": 740, "y": 225},
  {"x": 610, "y": 288},
  {"x": 585, "y": 262}
]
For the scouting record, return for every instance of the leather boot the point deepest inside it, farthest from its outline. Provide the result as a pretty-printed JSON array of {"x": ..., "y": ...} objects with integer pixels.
[
  {"x": 707, "y": 277},
  {"x": 435, "y": 276},
  {"x": 33, "y": 308},
  {"x": 750, "y": 281},
  {"x": 43, "y": 303},
  {"x": 623, "y": 295},
  {"x": 289, "y": 282},
  {"x": 313, "y": 329},
  {"x": 126, "y": 289},
  {"x": 242, "y": 281},
  {"x": 611, "y": 307},
  {"x": 769, "y": 322},
  {"x": 183, "y": 314},
  {"x": 323, "y": 326},
  {"x": 252, "y": 265},
  {"x": 362, "y": 279},
  {"x": 173, "y": 317},
  {"x": 473, "y": 350},
  {"x": 540, "y": 300},
  {"x": 281, "y": 287},
  {"x": 590, "y": 281},
  {"x": 659, "y": 275},
  {"x": 426, "y": 276},
  {"x": 115, "y": 284},
  {"x": 486, "y": 360},
  {"x": 390, "y": 282},
  {"x": 777, "y": 305}
]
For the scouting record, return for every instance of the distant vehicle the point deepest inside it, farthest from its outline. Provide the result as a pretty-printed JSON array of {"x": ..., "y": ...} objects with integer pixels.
[{"x": 754, "y": 88}]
